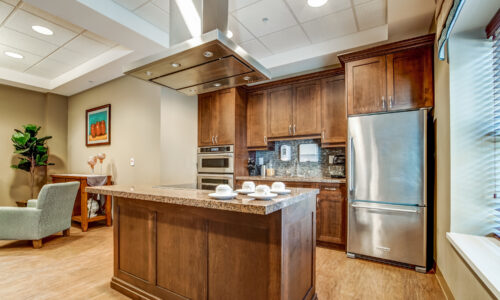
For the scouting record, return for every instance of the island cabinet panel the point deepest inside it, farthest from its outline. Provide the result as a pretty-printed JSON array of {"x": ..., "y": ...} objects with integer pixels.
[
  {"x": 331, "y": 208},
  {"x": 307, "y": 108},
  {"x": 171, "y": 251},
  {"x": 409, "y": 79},
  {"x": 280, "y": 111},
  {"x": 334, "y": 111},
  {"x": 366, "y": 85},
  {"x": 257, "y": 119},
  {"x": 182, "y": 241}
]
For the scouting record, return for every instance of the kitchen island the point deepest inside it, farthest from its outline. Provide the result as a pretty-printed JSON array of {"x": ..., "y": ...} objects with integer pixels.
[{"x": 174, "y": 243}]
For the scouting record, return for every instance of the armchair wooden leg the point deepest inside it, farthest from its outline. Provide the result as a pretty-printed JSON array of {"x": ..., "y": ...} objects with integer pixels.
[
  {"x": 66, "y": 232},
  {"x": 37, "y": 244}
]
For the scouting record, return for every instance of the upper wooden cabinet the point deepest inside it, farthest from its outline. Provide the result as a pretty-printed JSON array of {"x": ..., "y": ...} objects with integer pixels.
[
  {"x": 280, "y": 111},
  {"x": 391, "y": 77},
  {"x": 216, "y": 118},
  {"x": 307, "y": 108},
  {"x": 333, "y": 110},
  {"x": 257, "y": 119}
]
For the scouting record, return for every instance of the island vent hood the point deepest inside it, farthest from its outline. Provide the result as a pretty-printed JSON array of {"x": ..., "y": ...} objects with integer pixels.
[{"x": 207, "y": 62}]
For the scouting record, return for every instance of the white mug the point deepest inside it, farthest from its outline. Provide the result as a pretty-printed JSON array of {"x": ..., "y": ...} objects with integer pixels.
[
  {"x": 278, "y": 186},
  {"x": 262, "y": 189},
  {"x": 248, "y": 186},
  {"x": 223, "y": 189}
]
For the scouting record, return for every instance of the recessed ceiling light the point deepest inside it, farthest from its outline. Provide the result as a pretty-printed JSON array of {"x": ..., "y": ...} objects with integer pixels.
[
  {"x": 229, "y": 34},
  {"x": 316, "y": 3},
  {"x": 217, "y": 84},
  {"x": 148, "y": 73},
  {"x": 247, "y": 78},
  {"x": 13, "y": 54},
  {"x": 42, "y": 30},
  {"x": 208, "y": 54},
  {"x": 175, "y": 65},
  {"x": 265, "y": 19}
]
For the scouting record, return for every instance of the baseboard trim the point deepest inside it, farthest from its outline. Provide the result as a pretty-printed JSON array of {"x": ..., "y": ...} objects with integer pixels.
[
  {"x": 130, "y": 290},
  {"x": 443, "y": 284}
]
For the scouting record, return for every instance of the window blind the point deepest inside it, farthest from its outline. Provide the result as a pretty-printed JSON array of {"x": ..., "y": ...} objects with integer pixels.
[{"x": 496, "y": 129}]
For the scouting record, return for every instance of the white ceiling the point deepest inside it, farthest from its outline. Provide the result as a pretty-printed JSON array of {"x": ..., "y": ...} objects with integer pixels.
[{"x": 286, "y": 36}]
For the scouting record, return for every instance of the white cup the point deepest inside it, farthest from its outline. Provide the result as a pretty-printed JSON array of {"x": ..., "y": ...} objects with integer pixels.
[
  {"x": 223, "y": 189},
  {"x": 262, "y": 190},
  {"x": 278, "y": 186},
  {"x": 248, "y": 186}
]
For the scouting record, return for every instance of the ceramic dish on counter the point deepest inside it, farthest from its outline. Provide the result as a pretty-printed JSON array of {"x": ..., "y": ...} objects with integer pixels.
[
  {"x": 244, "y": 192},
  {"x": 279, "y": 188},
  {"x": 223, "y": 192},
  {"x": 263, "y": 192}
]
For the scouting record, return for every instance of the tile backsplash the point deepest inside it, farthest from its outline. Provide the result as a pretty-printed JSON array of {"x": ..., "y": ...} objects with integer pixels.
[{"x": 294, "y": 167}]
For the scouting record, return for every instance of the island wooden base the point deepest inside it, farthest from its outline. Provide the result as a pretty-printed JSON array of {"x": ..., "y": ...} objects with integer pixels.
[{"x": 166, "y": 251}]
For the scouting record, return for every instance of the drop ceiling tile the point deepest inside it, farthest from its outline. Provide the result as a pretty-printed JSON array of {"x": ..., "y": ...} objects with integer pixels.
[
  {"x": 130, "y": 4},
  {"x": 5, "y": 10},
  {"x": 86, "y": 47},
  {"x": 12, "y": 2},
  {"x": 240, "y": 33},
  {"x": 285, "y": 40},
  {"x": 237, "y": 4},
  {"x": 304, "y": 12},
  {"x": 99, "y": 39},
  {"x": 278, "y": 14},
  {"x": 25, "y": 42},
  {"x": 163, "y": 4},
  {"x": 154, "y": 15},
  {"x": 371, "y": 14},
  {"x": 358, "y": 2},
  {"x": 68, "y": 57},
  {"x": 331, "y": 26},
  {"x": 17, "y": 64},
  {"x": 49, "y": 17},
  {"x": 48, "y": 68},
  {"x": 255, "y": 49},
  {"x": 22, "y": 21}
]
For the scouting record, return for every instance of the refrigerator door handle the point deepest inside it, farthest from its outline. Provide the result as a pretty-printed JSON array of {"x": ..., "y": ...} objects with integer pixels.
[
  {"x": 386, "y": 208},
  {"x": 351, "y": 166}
]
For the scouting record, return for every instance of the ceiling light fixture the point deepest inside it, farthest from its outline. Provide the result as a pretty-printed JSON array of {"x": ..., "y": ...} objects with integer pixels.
[
  {"x": 13, "y": 54},
  {"x": 316, "y": 3},
  {"x": 265, "y": 19},
  {"x": 42, "y": 30},
  {"x": 208, "y": 54},
  {"x": 190, "y": 15},
  {"x": 229, "y": 34},
  {"x": 175, "y": 65},
  {"x": 247, "y": 78},
  {"x": 217, "y": 84},
  {"x": 149, "y": 73}
]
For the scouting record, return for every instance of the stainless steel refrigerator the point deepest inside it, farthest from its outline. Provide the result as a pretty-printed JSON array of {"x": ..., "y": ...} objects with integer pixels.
[{"x": 387, "y": 187}]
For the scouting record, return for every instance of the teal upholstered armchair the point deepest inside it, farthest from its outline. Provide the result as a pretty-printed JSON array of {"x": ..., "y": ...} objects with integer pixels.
[{"x": 49, "y": 214}]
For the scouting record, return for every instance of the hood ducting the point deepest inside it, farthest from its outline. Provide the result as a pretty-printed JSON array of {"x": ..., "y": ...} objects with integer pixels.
[{"x": 201, "y": 64}]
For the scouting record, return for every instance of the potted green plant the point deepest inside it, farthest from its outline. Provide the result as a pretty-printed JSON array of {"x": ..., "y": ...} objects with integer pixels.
[{"x": 32, "y": 151}]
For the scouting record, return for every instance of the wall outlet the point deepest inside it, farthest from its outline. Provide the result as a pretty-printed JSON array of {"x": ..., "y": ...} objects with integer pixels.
[
  {"x": 330, "y": 159},
  {"x": 132, "y": 162}
]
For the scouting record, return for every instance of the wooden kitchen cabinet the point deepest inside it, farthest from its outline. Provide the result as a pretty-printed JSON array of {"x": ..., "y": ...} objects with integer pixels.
[
  {"x": 392, "y": 77},
  {"x": 257, "y": 119},
  {"x": 331, "y": 212},
  {"x": 280, "y": 111},
  {"x": 366, "y": 85},
  {"x": 409, "y": 79},
  {"x": 333, "y": 110},
  {"x": 216, "y": 118},
  {"x": 306, "y": 108}
]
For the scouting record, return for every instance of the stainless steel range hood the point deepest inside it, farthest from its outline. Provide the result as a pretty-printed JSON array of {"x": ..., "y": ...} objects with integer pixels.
[{"x": 201, "y": 64}]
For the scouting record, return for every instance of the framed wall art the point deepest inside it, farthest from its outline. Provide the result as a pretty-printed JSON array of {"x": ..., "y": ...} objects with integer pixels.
[{"x": 98, "y": 126}]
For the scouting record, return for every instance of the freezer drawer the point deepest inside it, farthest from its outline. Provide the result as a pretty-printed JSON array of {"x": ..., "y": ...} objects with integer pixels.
[{"x": 392, "y": 232}]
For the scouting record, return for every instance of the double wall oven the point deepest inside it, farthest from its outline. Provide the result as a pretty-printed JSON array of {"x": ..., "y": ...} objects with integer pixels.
[{"x": 215, "y": 166}]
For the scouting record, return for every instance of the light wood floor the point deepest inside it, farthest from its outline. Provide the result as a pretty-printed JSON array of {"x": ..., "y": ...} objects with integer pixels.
[{"x": 80, "y": 267}]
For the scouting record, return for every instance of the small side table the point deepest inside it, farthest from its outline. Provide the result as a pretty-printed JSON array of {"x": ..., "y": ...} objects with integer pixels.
[{"x": 80, "y": 213}]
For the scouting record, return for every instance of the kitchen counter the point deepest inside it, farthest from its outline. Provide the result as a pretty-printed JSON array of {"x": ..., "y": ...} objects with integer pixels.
[
  {"x": 175, "y": 243},
  {"x": 292, "y": 179},
  {"x": 200, "y": 198}
]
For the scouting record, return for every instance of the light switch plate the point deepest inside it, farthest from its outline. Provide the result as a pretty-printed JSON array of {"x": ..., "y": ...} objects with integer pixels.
[
  {"x": 330, "y": 159},
  {"x": 132, "y": 162}
]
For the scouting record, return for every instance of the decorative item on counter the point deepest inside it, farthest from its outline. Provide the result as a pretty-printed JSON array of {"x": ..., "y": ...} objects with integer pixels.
[
  {"x": 263, "y": 192},
  {"x": 252, "y": 168},
  {"x": 263, "y": 170},
  {"x": 247, "y": 187},
  {"x": 98, "y": 126},
  {"x": 223, "y": 192},
  {"x": 270, "y": 170},
  {"x": 101, "y": 156},
  {"x": 285, "y": 153},
  {"x": 279, "y": 188},
  {"x": 92, "y": 161}
]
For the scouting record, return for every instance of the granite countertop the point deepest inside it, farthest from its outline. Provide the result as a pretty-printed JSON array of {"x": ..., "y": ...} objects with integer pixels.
[
  {"x": 200, "y": 198},
  {"x": 292, "y": 179}
]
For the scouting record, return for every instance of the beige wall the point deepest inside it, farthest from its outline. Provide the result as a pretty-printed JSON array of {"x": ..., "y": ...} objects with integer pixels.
[
  {"x": 19, "y": 107},
  {"x": 460, "y": 279},
  {"x": 154, "y": 125}
]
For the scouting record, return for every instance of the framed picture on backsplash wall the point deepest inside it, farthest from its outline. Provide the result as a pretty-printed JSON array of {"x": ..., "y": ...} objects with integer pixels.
[{"x": 98, "y": 126}]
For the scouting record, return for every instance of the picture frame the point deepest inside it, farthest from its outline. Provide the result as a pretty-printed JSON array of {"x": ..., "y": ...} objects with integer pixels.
[{"x": 98, "y": 126}]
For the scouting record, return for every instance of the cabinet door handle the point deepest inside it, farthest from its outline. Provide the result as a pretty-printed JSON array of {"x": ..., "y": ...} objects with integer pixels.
[
  {"x": 290, "y": 129},
  {"x": 212, "y": 139},
  {"x": 293, "y": 129},
  {"x": 265, "y": 139},
  {"x": 216, "y": 139},
  {"x": 330, "y": 189},
  {"x": 391, "y": 102},
  {"x": 323, "y": 135},
  {"x": 383, "y": 102}
]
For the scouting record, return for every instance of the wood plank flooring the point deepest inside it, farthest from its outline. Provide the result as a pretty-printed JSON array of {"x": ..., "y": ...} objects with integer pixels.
[{"x": 80, "y": 267}]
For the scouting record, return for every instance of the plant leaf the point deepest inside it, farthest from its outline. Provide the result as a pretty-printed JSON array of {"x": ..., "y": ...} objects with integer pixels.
[
  {"x": 20, "y": 138},
  {"x": 21, "y": 151}
]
